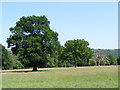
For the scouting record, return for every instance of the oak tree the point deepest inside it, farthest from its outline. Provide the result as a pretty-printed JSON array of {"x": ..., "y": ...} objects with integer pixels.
[{"x": 32, "y": 39}]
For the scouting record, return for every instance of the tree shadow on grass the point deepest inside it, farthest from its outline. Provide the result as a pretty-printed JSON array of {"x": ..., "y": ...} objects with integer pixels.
[{"x": 23, "y": 71}]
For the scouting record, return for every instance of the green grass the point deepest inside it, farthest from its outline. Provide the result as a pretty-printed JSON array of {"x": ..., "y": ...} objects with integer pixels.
[{"x": 84, "y": 77}]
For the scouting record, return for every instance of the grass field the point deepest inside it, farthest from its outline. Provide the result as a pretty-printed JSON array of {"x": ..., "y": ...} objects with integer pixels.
[{"x": 80, "y": 77}]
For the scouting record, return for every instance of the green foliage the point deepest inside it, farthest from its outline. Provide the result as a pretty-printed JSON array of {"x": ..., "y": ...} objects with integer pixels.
[
  {"x": 107, "y": 62},
  {"x": 9, "y": 61},
  {"x": 77, "y": 52},
  {"x": 6, "y": 60},
  {"x": 16, "y": 64},
  {"x": 112, "y": 59},
  {"x": 61, "y": 58},
  {"x": 104, "y": 62},
  {"x": 51, "y": 62},
  {"x": 92, "y": 62},
  {"x": 33, "y": 40},
  {"x": 118, "y": 60}
]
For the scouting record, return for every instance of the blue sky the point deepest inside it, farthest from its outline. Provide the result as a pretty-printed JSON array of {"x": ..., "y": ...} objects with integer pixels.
[{"x": 96, "y": 22}]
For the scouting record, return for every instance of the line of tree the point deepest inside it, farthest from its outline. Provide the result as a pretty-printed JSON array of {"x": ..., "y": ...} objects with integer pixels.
[
  {"x": 8, "y": 60},
  {"x": 64, "y": 59},
  {"x": 103, "y": 58},
  {"x": 36, "y": 45}
]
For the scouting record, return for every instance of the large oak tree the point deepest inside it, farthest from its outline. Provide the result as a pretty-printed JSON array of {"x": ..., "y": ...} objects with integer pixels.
[{"x": 32, "y": 39}]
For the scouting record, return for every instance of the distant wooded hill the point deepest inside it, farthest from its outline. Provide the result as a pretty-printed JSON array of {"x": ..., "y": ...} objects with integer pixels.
[{"x": 108, "y": 51}]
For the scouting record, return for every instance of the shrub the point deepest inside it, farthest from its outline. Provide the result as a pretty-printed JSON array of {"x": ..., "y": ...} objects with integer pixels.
[
  {"x": 92, "y": 62},
  {"x": 104, "y": 62},
  {"x": 17, "y": 64},
  {"x": 107, "y": 62}
]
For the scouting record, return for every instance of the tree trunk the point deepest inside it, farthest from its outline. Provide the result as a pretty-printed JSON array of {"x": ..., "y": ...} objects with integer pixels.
[
  {"x": 75, "y": 64},
  {"x": 98, "y": 63},
  {"x": 34, "y": 69}
]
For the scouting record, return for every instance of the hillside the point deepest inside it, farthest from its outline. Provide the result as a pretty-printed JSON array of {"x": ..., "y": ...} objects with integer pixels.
[{"x": 108, "y": 51}]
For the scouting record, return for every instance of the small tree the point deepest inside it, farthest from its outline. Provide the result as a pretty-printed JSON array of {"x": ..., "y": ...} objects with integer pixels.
[
  {"x": 33, "y": 40},
  {"x": 78, "y": 51},
  {"x": 99, "y": 56}
]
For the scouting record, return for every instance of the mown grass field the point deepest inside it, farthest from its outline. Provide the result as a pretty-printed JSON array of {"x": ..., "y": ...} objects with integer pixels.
[{"x": 80, "y": 77}]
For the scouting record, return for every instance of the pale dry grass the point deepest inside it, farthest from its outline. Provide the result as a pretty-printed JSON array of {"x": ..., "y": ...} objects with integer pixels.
[
  {"x": 55, "y": 68},
  {"x": 80, "y": 77}
]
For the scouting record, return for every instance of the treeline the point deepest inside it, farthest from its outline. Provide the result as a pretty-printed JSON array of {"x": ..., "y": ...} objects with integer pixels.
[
  {"x": 100, "y": 57},
  {"x": 8, "y": 60},
  {"x": 105, "y": 56},
  {"x": 35, "y": 44}
]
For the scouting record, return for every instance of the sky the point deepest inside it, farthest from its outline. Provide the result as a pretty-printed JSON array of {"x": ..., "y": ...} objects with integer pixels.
[{"x": 95, "y": 22}]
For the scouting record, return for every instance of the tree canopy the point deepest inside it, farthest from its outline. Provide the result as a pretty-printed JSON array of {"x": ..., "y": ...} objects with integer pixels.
[
  {"x": 9, "y": 61},
  {"x": 77, "y": 52},
  {"x": 32, "y": 39},
  {"x": 6, "y": 62}
]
